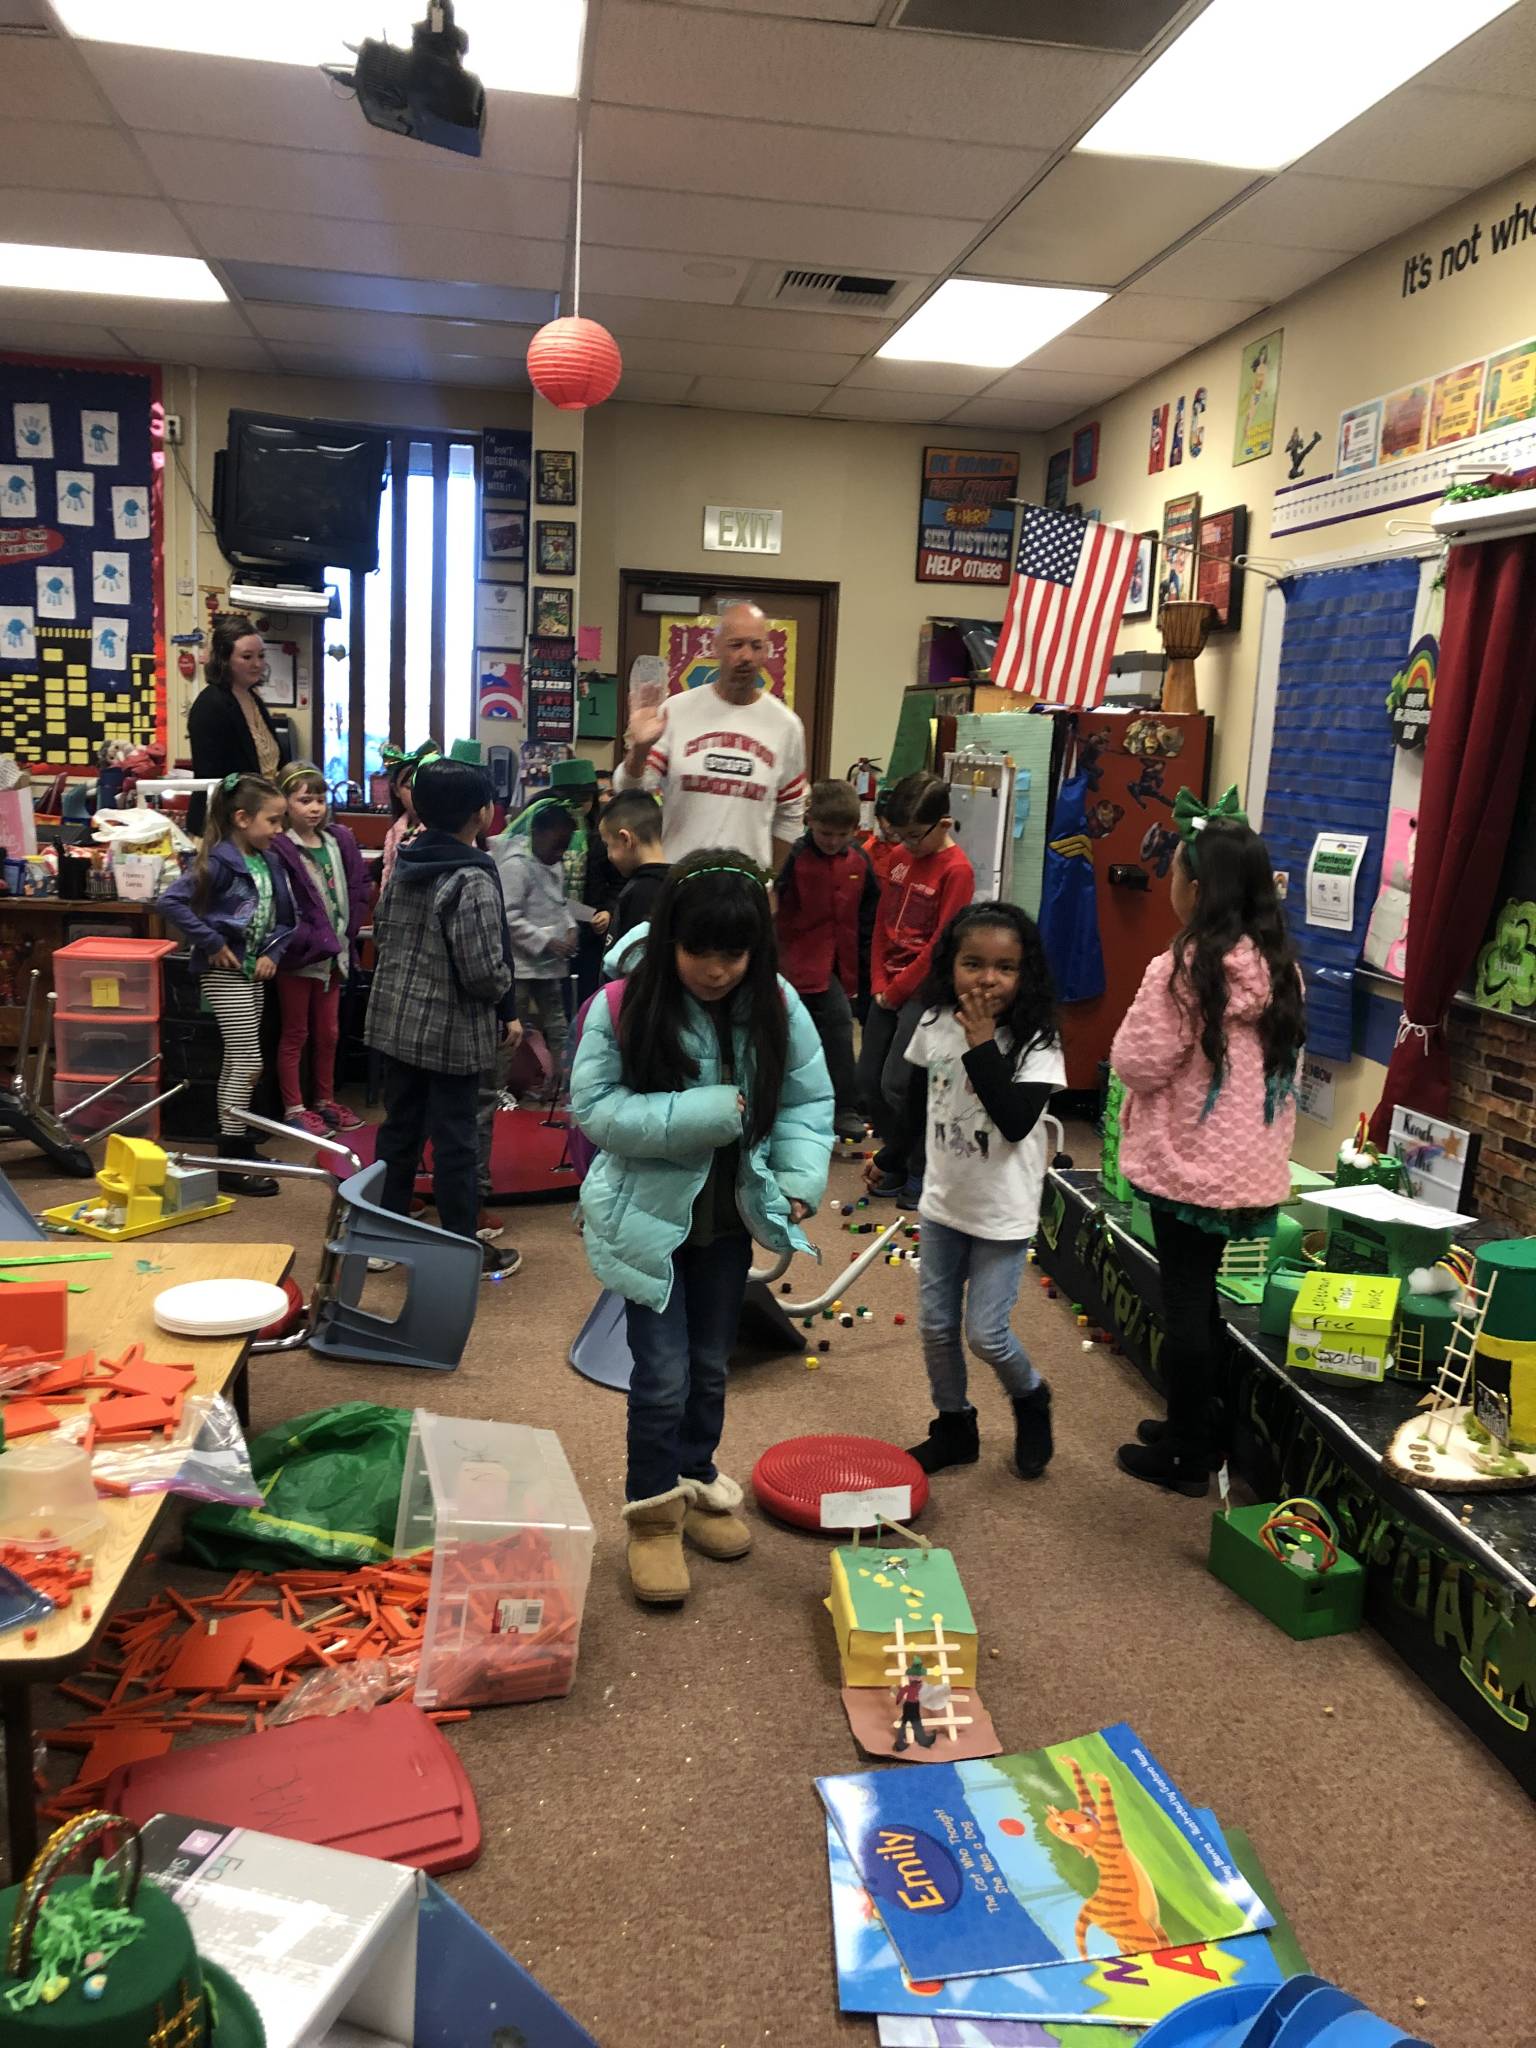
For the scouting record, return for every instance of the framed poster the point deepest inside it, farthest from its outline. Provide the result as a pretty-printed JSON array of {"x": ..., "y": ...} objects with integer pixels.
[
  {"x": 1509, "y": 394},
  {"x": 1455, "y": 404},
  {"x": 1359, "y": 438},
  {"x": 1258, "y": 394},
  {"x": 965, "y": 518},
  {"x": 552, "y": 612},
  {"x": 1057, "y": 471},
  {"x": 1085, "y": 453},
  {"x": 1218, "y": 580},
  {"x": 504, "y": 536},
  {"x": 1181, "y": 548},
  {"x": 1404, "y": 422},
  {"x": 499, "y": 615},
  {"x": 505, "y": 454},
  {"x": 555, "y": 477},
  {"x": 554, "y": 542},
  {"x": 1138, "y": 598}
]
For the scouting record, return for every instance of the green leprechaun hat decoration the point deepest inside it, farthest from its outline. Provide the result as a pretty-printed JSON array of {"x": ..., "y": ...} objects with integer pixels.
[{"x": 100, "y": 1961}]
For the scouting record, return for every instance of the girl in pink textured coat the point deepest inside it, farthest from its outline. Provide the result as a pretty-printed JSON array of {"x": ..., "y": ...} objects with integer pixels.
[{"x": 1209, "y": 1054}]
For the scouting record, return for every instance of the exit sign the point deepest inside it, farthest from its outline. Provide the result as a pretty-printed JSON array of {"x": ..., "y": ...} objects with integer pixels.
[{"x": 742, "y": 530}]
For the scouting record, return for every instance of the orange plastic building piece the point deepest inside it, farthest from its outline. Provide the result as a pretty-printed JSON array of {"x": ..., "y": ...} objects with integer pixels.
[
  {"x": 27, "y": 1418},
  {"x": 37, "y": 1316}
]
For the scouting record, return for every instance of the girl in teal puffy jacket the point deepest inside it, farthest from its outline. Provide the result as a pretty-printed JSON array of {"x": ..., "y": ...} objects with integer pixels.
[{"x": 706, "y": 1091}]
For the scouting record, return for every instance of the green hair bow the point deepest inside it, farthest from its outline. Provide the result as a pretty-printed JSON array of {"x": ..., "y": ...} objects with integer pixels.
[
  {"x": 1191, "y": 817},
  {"x": 397, "y": 757}
]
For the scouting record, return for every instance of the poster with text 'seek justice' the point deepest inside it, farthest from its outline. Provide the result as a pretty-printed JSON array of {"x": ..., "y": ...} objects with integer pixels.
[
  {"x": 1082, "y": 1849},
  {"x": 965, "y": 521}
]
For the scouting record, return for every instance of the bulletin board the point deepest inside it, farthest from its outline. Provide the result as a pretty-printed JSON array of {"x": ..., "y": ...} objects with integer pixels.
[{"x": 82, "y": 631}]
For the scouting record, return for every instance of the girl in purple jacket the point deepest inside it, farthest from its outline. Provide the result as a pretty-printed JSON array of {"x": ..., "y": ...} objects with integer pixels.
[{"x": 331, "y": 894}]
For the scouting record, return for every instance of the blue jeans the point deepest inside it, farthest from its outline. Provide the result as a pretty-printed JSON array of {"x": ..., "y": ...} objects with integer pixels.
[
  {"x": 993, "y": 1268},
  {"x": 681, "y": 1356}
]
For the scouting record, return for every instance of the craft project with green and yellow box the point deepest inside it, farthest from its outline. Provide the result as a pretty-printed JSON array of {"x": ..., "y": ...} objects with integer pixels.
[
  {"x": 873, "y": 1589},
  {"x": 1344, "y": 1323}
]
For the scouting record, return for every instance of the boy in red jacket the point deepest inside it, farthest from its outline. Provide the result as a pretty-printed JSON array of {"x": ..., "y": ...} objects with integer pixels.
[
  {"x": 929, "y": 880},
  {"x": 827, "y": 895}
]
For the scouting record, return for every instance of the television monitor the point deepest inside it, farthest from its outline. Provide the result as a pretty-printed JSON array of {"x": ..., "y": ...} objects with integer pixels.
[{"x": 300, "y": 492}]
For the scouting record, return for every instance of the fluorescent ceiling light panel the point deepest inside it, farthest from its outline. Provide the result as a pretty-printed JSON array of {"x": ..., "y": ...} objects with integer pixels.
[
  {"x": 514, "y": 45},
  {"x": 991, "y": 326},
  {"x": 113, "y": 273},
  {"x": 1258, "y": 86}
]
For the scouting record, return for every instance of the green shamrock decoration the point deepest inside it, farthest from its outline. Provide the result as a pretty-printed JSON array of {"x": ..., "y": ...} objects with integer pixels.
[{"x": 1506, "y": 966}]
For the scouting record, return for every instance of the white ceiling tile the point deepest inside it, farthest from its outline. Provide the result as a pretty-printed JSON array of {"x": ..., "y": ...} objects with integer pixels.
[
  {"x": 650, "y": 273},
  {"x": 320, "y": 325},
  {"x": 73, "y": 157},
  {"x": 817, "y": 166},
  {"x": 207, "y": 351},
  {"x": 892, "y": 374},
  {"x": 707, "y": 359},
  {"x": 500, "y": 374},
  {"x": 53, "y": 337},
  {"x": 1095, "y": 219},
  {"x": 348, "y": 361},
  {"x": 1143, "y": 313},
  {"x": 1300, "y": 211},
  {"x": 432, "y": 190},
  {"x": 739, "y": 326},
  {"x": 93, "y": 220},
  {"x": 953, "y": 87},
  {"x": 654, "y": 387},
  {"x": 1465, "y": 138},
  {"x": 1064, "y": 386},
  {"x": 1500, "y": 58},
  {"x": 773, "y": 230},
  {"x": 91, "y": 309},
  {"x": 1030, "y": 416},
  {"x": 755, "y": 394},
  {"x": 1206, "y": 268},
  {"x": 922, "y": 408},
  {"x": 47, "y": 80},
  {"x": 234, "y": 99},
  {"x": 1087, "y": 354},
  {"x": 379, "y": 248}
]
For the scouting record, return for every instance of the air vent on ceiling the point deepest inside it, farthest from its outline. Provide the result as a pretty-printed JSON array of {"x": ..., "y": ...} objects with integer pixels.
[
  {"x": 804, "y": 290},
  {"x": 1126, "y": 25}
]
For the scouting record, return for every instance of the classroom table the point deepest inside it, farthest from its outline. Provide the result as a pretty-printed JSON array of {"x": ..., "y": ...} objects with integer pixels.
[{"x": 114, "y": 1312}]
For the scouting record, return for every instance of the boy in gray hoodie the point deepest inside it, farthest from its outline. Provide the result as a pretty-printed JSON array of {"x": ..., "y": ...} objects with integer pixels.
[{"x": 541, "y": 924}]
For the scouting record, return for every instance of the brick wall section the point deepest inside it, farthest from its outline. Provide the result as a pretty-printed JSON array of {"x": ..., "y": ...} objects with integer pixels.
[{"x": 1493, "y": 1091}]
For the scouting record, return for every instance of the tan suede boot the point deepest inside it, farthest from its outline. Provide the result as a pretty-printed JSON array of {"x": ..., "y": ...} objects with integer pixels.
[
  {"x": 657, "y": 1570},
  {"x": 709, "y": 1524}
]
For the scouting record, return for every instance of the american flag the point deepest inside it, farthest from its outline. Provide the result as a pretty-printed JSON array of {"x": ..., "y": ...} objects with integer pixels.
[{"x": 1064, "y": 606}]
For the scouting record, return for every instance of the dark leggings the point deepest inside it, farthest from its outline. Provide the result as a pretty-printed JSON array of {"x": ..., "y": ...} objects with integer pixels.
[{"x": 1188, "y": 1259}]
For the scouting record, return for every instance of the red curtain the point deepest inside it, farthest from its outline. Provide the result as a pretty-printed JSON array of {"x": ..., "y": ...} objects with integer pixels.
[{"x": 1474, "y": 764}]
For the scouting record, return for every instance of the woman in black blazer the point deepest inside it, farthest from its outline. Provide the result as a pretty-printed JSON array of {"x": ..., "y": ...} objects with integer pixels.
[{"x": 230, "y": 729}]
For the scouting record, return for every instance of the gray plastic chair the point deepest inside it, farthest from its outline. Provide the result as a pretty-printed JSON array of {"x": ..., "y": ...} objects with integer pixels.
[
  {"x": 442, "y": 1276},
  {"x": 16, "y": 1219}
]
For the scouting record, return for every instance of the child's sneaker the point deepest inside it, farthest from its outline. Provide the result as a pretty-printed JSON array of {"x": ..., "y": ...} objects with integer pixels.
[
  {"x": 307, "y": 1121},
  {"x": 488, "y": 1226},
  {"x": 850, "y": 1125},
  {"x": 338, "y": 1116},
  {"x": 885, "y": 1185},
  {"x": 911, "y": 1192},
  {"x": 499, "y": 1262}
]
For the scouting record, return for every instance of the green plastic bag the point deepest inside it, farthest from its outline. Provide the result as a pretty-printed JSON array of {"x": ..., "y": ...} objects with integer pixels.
[{"x": 330, "y": 1484}]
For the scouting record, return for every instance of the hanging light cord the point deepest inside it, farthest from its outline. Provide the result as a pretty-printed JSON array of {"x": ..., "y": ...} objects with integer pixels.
[{"x": 576, "y": 261}]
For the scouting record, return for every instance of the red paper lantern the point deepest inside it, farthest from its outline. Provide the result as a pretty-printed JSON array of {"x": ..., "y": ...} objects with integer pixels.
[{"x": 574, "y": 363}]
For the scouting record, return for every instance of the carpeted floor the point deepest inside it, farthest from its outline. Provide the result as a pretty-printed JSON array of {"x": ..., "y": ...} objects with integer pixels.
[{"x": 653, "y": 1845}]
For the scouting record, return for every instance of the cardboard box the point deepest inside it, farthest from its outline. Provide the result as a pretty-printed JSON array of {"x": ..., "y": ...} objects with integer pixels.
[{"x": 1344, "y": 1323}]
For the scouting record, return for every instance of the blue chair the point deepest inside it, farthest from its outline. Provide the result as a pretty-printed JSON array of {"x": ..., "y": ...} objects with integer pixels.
[
  {"x": 442, "y": 1277},
  {"x": 16, "y": 1219}
]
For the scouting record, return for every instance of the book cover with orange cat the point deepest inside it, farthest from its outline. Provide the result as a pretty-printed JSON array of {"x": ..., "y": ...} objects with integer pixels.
[{"x": 1080, "y": 1850}]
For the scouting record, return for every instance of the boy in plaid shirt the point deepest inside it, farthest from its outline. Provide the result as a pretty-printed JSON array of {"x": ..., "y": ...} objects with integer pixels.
[{"x": 443, "y": 997}]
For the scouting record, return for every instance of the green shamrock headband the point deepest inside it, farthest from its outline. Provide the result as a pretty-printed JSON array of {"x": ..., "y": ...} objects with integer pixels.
[
  {"x": 1191, "y": 817},
  {"x": 723, "y": 868}
]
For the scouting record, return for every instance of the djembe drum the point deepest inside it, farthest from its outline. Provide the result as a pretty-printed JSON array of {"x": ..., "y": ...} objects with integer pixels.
[{"x": 1184, "y": 624}]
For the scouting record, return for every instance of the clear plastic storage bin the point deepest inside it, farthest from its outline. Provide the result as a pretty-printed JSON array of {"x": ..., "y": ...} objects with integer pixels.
[
  {"x": 102, "y": 974},
  {"x": 511, "y": 1545},
  {"x": 106, "y": 1042},
  {"x": 121, "y": 1096}
]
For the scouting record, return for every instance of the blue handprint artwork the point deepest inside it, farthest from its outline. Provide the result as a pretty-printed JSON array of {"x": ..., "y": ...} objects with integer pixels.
[
  {"x": 34, "y": 432},
  {"x": 110, "y": 580},
  {"x": 56, "y": 593},
  {"x": 77, "y": 497},
  {"x": 18, "y": 636},
  {"x": 18, "y": 490},
  {"x": 130, "y": 511},
  {"x": 98, "y": 438},
  {"x": 109, "y": 643}
]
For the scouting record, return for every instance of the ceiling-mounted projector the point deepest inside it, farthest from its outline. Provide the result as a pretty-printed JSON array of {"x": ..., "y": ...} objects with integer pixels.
[{"x": 423, "y": 92}]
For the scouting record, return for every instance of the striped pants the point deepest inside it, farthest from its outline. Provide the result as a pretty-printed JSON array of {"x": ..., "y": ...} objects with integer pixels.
[{"x": 237, "y": 1004}]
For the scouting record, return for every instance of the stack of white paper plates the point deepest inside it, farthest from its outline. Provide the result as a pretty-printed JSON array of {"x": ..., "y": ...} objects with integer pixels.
[{"x": 219, "y": 1308}]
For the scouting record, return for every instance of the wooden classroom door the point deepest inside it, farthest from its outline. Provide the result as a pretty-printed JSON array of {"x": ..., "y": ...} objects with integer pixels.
[{"x": 802, "y": 627}]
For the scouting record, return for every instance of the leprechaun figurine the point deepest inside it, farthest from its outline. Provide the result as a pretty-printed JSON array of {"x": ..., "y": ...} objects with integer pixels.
[{"x": 910, "y": 1695}]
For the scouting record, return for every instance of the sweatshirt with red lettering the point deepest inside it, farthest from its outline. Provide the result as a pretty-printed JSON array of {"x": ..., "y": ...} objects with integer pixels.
[{"x": 919, "y": 898}]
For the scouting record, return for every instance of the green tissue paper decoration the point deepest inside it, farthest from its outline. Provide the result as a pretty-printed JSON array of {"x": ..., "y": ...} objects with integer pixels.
[
  {"x": 75, "y": 1921},
  {"x": 1505, "y": 977},
  {"x": 1115, "y": 1182}
]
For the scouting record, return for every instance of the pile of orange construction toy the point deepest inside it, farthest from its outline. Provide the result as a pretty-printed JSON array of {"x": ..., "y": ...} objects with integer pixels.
[
  {"x": 59, "y": 1573},
  {"x": 517, "y": 1640},
  {"x": 136, "y": 1398}
]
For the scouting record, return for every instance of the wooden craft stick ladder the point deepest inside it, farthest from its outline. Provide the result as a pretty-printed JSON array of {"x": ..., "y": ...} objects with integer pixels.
[
  {"x": 1450, "y": 1389},
  {"x": 925, "y": 1644}
]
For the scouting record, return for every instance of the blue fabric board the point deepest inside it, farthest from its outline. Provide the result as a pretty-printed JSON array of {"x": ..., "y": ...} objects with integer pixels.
[
  {"x": 471, "y": 1994},
  {"x": 1346, "y": 634}
]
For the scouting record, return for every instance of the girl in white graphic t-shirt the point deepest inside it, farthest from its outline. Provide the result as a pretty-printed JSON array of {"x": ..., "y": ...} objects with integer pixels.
[{"x": 988, "y": 1040}]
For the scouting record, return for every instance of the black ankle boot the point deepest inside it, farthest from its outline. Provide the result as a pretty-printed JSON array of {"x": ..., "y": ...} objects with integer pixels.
[
  {"x": 1167, "y": 1463},
  {"x": 1152, "y": 1431},
  {"x": 1032, "y": 1442},
  {"x": 232, "y": 1182},
  {"x": 953, "y": 1439}
]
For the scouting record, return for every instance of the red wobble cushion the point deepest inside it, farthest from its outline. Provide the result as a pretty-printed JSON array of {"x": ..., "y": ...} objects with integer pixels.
[{"x": 790, "y": 1478}]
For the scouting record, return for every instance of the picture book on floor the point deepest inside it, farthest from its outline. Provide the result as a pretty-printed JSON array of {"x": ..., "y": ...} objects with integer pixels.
[
  {"x": 1123, "y": 1991},
  {"x": 1078, "y": 1851},
  {"x": 897, "y": 2032}
]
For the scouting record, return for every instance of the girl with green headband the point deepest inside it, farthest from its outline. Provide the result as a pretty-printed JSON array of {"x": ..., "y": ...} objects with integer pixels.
[{"x": 1209, "y": 1053}]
